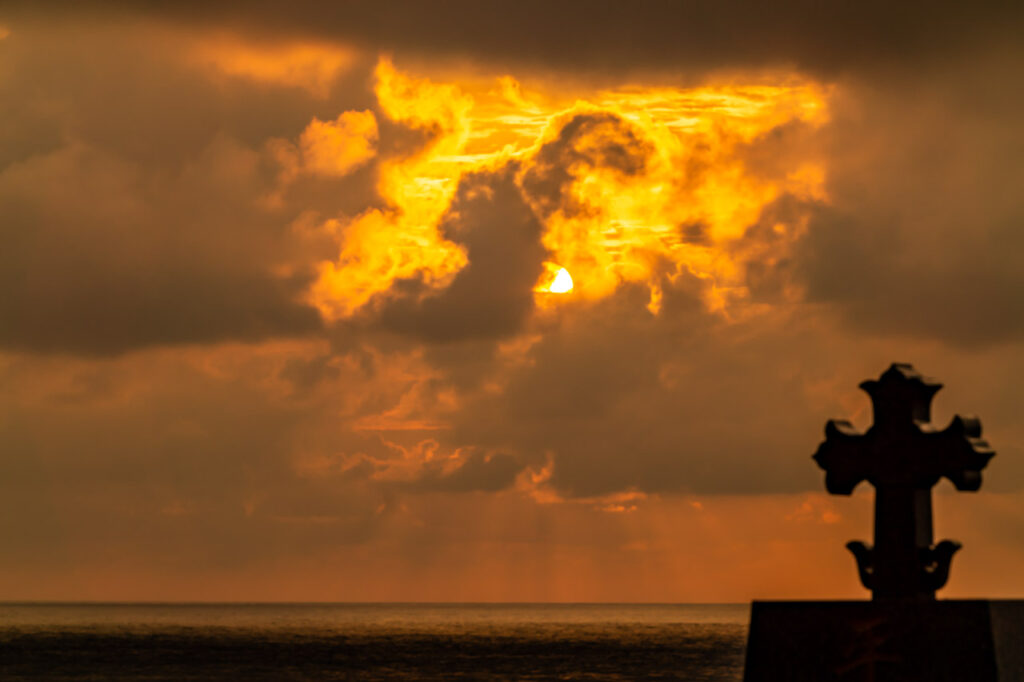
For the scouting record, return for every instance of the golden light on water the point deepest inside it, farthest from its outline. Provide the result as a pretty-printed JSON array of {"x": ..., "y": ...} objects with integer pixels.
[{"x": 637, "y": 185}]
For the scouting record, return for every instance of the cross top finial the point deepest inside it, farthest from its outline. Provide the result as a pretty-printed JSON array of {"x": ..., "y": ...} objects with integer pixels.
[
  {"x": 901, "y": 396},
  {"x": 903, "y": 455}
]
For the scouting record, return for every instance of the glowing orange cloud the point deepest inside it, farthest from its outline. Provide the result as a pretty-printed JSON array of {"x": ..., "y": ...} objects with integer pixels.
[
  {"x": 311, "y": 66},
  {"x": 336, "y": 147},
  {"x": 382, "y": 246},
  {"x": 606, "y": 226}
]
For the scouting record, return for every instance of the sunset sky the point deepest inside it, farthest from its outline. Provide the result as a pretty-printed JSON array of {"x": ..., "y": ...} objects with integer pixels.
[{"x": 480, "y": 301}]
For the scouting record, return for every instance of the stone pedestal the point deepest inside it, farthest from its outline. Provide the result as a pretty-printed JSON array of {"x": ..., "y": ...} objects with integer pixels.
[{"x": 882, "y": 641}]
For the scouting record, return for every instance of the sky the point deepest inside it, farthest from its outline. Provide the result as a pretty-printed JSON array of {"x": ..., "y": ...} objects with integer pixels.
[{"x": 531, "y": 301}]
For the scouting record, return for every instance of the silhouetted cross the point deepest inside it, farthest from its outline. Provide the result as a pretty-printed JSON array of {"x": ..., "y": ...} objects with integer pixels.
[{"x": 903, "y": 456}]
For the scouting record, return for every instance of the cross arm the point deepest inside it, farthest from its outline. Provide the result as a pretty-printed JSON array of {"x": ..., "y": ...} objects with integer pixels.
[
  {"x": 961, "y": 452},
  {"x": 841, "y": 455}
]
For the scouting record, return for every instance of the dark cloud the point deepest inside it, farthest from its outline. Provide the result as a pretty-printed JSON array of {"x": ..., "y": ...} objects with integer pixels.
[
  {"x": 623, "y": 399},
  {"x": 921, "y": 234},
  {"x": 154, "y": 456},
  {"x": 768, "y": 277},
  {"x": 688, "y": 403},
  {"x": 479, "y": 472},
  {"x": 694, "y": 233},
  {"x": 140, "y": 204},
  {"x": 492, "y": 296},
  {"x": 585, "y": 142},
  {"x": 98, "y": 261},
  {"x": 606, "y": 35},
  {"x": 137, "y": 92},
  {"x": 305, "y": 374},
  {"x": 771, "y": 154}
]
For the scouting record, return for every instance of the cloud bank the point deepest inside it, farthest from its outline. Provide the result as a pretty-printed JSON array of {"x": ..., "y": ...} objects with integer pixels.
[{"x": 275, "y": 303}]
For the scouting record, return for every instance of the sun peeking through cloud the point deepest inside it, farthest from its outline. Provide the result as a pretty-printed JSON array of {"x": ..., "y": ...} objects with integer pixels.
[
  {"x": 555, "y": 280},
  {"x": 636, "y": 185},
  {"x": 562, "y": 283}
]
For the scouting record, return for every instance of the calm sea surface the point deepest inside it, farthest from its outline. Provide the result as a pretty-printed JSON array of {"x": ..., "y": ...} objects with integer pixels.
[{"x": 371, "y": 641}]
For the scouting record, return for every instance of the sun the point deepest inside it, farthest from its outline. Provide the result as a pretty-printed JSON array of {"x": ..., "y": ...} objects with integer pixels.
[{"x": 562, "y": 283}]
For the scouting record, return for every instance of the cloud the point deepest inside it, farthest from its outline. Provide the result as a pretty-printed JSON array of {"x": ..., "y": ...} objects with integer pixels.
[
  {"x": 586, "y": 142},
  {"x": 657, "y": 34},
  {"x": 182, "y": 456},
  {"x": 180, "y": 421},
  {"x": 921, "y": 234},
  {"x": 477, "y": 471},
  {"x": 337, "y": 147},
  {"x": 314, "y": 67},
  {"x": 623, "y": 399},
  {"x": 492, "y": 295},
  {"x": 146, "y": 202},
  {"x": 98, "y": 263}
]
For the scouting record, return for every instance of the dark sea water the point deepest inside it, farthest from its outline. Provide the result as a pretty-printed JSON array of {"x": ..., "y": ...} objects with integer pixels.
[{"x": 371, "y": 642}]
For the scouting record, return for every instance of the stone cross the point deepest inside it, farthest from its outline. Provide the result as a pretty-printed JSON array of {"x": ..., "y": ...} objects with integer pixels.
[{"x": 903, "y": 455}]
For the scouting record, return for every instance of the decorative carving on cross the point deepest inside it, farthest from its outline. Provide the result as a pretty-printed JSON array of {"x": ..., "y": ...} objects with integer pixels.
[{"x": 903, "y": 455}]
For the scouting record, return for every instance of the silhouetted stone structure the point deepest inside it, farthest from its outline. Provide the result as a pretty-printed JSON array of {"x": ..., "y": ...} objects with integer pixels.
[
  {"x": 904, "y": 633},
  {"x": 903, "y": 456}
]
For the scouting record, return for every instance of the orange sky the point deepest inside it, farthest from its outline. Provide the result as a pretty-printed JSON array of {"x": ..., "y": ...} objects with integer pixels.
[{"x": 291, "y": 313}]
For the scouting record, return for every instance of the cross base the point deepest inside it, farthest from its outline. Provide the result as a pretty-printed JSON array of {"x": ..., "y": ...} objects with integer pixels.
[{"x": 881, "y": 641}]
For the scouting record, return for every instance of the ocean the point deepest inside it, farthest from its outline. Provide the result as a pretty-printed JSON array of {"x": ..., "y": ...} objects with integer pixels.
[{"x": 256, "y": 642}]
